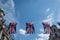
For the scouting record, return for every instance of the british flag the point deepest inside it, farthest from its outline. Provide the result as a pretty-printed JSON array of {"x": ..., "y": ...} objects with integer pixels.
[
  {"x": 12, "y": 28},
  {"x": 29, "y": 28},
  {"x": 46, "y": 27}
]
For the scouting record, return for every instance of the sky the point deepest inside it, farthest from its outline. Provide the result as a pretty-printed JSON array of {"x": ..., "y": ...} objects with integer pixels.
[{"x": 35, "y": 11}]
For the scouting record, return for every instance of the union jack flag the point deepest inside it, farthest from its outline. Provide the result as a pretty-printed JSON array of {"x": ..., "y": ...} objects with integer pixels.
[
  {"x": 29, "y": 28},
  {"x": 12, "y": 28}
]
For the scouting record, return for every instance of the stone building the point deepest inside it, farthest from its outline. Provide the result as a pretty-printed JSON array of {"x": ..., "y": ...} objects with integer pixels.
[
  {"x": 55, "y": 33},
  {"x": 4, "y": 35}
]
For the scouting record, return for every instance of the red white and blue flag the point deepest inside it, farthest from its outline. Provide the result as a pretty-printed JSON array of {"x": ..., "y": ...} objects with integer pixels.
[
  {"x": 46, "y": 27},
  {"x": 12, "y": 28}
]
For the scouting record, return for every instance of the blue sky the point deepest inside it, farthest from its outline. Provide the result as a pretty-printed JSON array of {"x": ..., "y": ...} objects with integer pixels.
[{"x": 35, "y": 11}]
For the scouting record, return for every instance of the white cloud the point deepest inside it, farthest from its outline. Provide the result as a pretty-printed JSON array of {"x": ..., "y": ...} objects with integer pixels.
[
  {"x": 10, "y": 3},
  {"x": 43, "y": 36},
  {"x": 49, "y": 19},
  {"x": 48, "y": 9},
  {"x": 50, "y": 15},
  {"x": 40, "y": 39},
  {"x": 41, "y": 30},
  {"x": 9, "y": 9},
  {"x": 23, "y": 32},
  {"x": 58, "y": 18}
]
